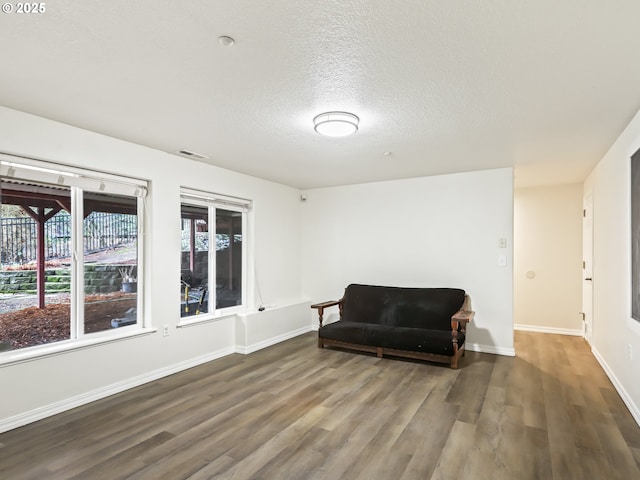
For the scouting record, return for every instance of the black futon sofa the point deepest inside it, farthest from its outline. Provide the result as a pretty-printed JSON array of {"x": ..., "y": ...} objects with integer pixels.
[{"x": 421, "y": 323}]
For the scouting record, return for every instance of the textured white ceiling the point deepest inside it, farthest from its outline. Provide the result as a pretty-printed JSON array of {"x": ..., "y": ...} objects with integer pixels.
[{"x": 446, "y": 86}]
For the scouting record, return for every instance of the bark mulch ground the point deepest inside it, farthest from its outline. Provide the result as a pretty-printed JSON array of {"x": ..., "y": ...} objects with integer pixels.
[{"x": 31, "y": 326}]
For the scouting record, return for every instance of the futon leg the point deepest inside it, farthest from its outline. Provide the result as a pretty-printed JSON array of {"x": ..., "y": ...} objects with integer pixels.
[{"x": 454, "y": 361}]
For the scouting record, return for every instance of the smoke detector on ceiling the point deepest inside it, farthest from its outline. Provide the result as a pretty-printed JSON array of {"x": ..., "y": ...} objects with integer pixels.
[{"x": 226, "y": 41}]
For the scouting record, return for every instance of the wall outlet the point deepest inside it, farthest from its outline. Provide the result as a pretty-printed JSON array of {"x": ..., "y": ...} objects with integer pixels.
[
  {"x": 502, "y": 242},
  {"x": 165, "y": 330}
]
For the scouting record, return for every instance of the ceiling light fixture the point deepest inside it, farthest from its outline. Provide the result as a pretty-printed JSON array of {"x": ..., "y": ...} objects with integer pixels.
[{"x": 336, "y": 124}]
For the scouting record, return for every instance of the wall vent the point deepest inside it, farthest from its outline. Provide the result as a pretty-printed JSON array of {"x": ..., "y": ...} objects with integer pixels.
[{"x": 190, "y": 154}]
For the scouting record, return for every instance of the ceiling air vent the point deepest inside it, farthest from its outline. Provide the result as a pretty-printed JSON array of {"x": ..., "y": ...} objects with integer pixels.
[{"x": 187, "y": 153}]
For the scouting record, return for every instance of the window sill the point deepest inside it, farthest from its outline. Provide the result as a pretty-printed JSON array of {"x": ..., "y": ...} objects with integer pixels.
[
  {"x": 207, "y": 318},
  {"x": 13, "y": 357}
]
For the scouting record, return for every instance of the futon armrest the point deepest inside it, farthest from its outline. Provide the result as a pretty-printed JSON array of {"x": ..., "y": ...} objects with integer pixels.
[
  {"x": 321, "y": 306},
  {"x": 324, "y": 305},
  {"x": 461, "y": 317}
]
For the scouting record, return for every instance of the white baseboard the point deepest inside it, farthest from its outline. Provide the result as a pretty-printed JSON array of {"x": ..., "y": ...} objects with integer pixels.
[
  {"x": 88, "y": 397},
  {"x": 476, "y": 347},
  {"x": 245, "y": 350},
  {"x": 257, "y": 330},
  {"x": 553, "y": 330},
  {"x": 633, "y": 408}
]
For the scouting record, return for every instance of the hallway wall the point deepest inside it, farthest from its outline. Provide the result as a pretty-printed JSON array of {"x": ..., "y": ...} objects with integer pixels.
[{"x": 548, "y": 259}]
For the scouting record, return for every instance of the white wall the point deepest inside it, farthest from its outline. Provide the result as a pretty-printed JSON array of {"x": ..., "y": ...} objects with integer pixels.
[
  {"x": 439, "y": 231},
  {"x": 434, "y": 231},
  {"x": 614, "y": 331},
  {"x": 548, "y": 244},
  {"x": 42, "y": 386}
]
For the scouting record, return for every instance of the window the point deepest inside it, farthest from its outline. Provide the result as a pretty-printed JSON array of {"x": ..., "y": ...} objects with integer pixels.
[
  {"x": 110, "y": 246},
  {"x": 213, "y": 254},
  {"x": 71, "y": 254}
]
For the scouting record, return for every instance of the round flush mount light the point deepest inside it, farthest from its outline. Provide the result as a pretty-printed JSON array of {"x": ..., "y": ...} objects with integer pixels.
[
  {"x": 226, "y": 41},
  {"x": 336, "y": 124}
]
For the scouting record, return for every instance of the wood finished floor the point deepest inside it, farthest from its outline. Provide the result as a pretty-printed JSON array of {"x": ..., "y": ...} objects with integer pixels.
[{"x": 294, "y": 411}]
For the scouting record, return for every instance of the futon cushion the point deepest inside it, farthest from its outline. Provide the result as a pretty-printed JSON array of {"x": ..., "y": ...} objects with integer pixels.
[
  {"x": 402, "y": 307},
  {"x": 438, "y": 342}
]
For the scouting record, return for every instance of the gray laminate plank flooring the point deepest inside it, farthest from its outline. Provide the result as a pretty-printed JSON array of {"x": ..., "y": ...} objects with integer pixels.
[{"x": 294, "y": 411}]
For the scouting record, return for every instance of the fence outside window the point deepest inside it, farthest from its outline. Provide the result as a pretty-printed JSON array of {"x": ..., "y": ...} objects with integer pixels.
[{"x": 18, "y": 236}]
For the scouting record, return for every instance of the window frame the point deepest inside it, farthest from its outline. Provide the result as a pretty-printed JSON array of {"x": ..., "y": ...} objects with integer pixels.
[
  {"x": 213, "y": 202},
  {"x": 79, "y": 181}
]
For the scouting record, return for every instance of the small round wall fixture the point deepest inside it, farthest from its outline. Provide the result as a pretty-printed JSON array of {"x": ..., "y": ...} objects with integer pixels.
[
  {"x": 336, "y": 124},
  {"x": 226, "y": 41}
]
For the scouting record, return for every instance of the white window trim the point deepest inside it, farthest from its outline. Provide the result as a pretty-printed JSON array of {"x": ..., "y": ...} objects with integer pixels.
[
  {"x": 25, "y": 168},
  {"x": 215, "y": 201},
  {"x": 80, "y": 180},
  {"x": 198, "y": 197}
]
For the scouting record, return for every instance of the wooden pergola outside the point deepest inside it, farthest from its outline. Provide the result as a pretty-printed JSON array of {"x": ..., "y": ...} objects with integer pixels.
[{"x": 43, "y": 203}]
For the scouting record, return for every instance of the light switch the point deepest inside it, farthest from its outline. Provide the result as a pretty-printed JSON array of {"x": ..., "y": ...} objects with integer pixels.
[
  {"x": 502, "y": 260},
  {"x": 502, "y": 242}
]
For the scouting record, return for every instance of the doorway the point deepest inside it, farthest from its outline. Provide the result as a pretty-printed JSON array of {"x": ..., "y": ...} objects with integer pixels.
[{"x": 587, "y": 266}]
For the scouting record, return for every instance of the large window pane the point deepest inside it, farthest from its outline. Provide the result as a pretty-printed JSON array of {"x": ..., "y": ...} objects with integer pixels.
[
  {"x": 35, "y": 257},
  {"x": 212, "y": 254},
  {"x": 110, "y": 238},
  {"x": 194, "y": 260},
  {"x": 228, "y": 258},
  {"x": 50, "y": 225}
]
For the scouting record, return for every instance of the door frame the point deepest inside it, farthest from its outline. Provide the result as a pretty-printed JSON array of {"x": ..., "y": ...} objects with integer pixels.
[{"x": 587, "y": 266}]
